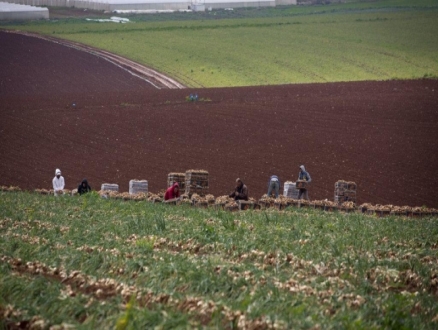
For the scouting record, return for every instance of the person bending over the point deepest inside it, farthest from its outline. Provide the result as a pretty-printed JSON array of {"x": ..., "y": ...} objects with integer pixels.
[
  {"x": 274, "y": 184},
  {"x": 172, "y": 192}
]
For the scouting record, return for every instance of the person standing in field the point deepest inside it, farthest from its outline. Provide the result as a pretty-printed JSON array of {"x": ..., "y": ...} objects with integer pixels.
[
  {"x": 304, "y": 176},
  {"x": 58, "y": 183},
  {"x": 240, "y": 192},
  {"x": 84, "y": 187},
  {"x": 274, "y": 184},
  {"x": 172, "y": 192}
]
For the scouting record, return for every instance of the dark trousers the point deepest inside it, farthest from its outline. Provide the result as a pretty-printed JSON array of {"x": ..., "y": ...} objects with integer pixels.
[{"x": 303, "y": 192}]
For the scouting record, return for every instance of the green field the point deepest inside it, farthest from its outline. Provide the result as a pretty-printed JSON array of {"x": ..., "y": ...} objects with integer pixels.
[
  {"x": 90, "y": 263},
  {"x": 375, "y": 40}
]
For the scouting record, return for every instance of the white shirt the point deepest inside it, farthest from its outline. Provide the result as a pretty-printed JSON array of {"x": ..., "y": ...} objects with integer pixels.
[{"x": 58, "y": 184}]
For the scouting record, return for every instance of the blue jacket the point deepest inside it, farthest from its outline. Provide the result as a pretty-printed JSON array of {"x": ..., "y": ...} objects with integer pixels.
[{"x": 304, "y": 175}]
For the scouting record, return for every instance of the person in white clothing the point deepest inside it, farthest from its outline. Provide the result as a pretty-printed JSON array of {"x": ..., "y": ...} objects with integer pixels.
[{"x": 58, "y": 183}]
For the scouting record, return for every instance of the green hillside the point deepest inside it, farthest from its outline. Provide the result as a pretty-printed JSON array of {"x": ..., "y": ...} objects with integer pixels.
[{"x": 375, "y": 40}]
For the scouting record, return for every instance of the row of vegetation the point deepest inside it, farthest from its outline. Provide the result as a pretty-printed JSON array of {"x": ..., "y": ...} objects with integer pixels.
[
  {"x": 375, "y": 40},
  {"x": 102, "y": 263}
]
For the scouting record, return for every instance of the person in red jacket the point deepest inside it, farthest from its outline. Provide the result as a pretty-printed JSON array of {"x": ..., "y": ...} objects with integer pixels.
[{"x": 172, "y": 192}]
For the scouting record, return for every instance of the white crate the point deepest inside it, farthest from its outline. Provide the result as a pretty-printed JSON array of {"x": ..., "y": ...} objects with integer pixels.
[
  {"x": 290, "y": 190},
  {"x": 138, "y": 186},
  {"x": 109, "y": 187}
]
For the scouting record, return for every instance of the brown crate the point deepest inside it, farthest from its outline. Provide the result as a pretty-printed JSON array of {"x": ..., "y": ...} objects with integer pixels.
[
  {"x": 352, "y": 186},
  {"x": 347, "y": 209},
  {"x": 192, "y": 176},
  {"x": 245, "y": 205},
  {"x": 416, "y": 214},
  {"x": 177, "y": 177},
  {"x": 263, "y": 205},
  {"x": 232, "y": 208},
  {"x": 196, "y": 181},
  {"x": 385, "y": 213},
  {"x": 201, "y": 191},
  {"x": 305, "y": 204},
  {"x": 219, "y": 206},
  {"x": 330, "y": 208},
  {"x": 279, "y": 206},
  {"x": 202, "y": 204},
  {"x": 372, "y": 212},
  {"x": 351, "y": 194},
  {"x": 399, "y": 213},
  {"x": 340, "y": 192},
  {"x": 342, "y": 185},
  {"x": 301, "y": 185},
  {"x": 340, "y": 199}
]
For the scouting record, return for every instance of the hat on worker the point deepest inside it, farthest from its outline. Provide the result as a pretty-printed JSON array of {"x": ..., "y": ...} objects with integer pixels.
[{"x": 57, "y": 171}]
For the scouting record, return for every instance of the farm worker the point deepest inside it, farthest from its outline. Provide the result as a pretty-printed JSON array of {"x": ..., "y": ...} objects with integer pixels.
[
  {"x": 304, "y": 176},
  {"x": 274, "y": 184},
  {"x": 58, "y": 183},
  {"x": 172, "y": 192},
  {"x": 84, "y": 187},
  {"x": 240, "y": 192}
]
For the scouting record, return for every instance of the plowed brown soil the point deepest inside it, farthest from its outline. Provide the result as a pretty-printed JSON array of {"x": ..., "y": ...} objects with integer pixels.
[{"x": 383, "y": 135}]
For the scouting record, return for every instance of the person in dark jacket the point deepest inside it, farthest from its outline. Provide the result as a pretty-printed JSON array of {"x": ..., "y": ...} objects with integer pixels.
[
  {"x": 304, "y": 176},
  {"x": 84, "y": 187},
  {"x": 172, "y": 192},
  {"x": 240, "y": 192},
  {"x": 274, "y": 184}
]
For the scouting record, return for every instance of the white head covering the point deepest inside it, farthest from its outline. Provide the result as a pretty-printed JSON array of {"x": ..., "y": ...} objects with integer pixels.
[
  {"x": 57, "y": 171},
  {"x": 302, "y": 168}
]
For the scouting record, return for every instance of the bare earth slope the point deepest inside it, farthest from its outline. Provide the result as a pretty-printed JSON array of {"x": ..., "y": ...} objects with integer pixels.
[{"x": 383, "y": 135}]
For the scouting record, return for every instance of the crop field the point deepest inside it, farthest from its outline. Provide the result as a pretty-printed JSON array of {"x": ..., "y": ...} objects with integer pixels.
[
  {"x": 88, "y": 262},
  {"x": 377, "y": 40},
  {"x": 94, "y": 263}
]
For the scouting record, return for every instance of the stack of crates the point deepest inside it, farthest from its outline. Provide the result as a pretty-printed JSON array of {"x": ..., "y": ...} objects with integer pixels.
[
  {"x": 177, "y": 177},
  {"x": 138, "y": 187},
  {"x": 196, "y": 182},
  {"x": 345, "y": 191},
  {"x": 290, "y": 190},
  {"x": 109, "y": 187}
]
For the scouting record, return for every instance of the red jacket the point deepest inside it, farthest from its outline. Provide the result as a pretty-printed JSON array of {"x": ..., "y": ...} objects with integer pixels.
[{"x": 170, "y": 192}]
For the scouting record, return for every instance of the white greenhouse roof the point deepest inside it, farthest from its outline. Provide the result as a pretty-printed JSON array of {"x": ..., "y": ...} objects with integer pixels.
[{"x": 14, "y": 7}]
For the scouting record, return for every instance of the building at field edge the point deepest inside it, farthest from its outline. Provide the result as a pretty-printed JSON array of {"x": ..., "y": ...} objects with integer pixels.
[
  {"x": 112, "y": 5},
  {"x": 12, "y": 11}
]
